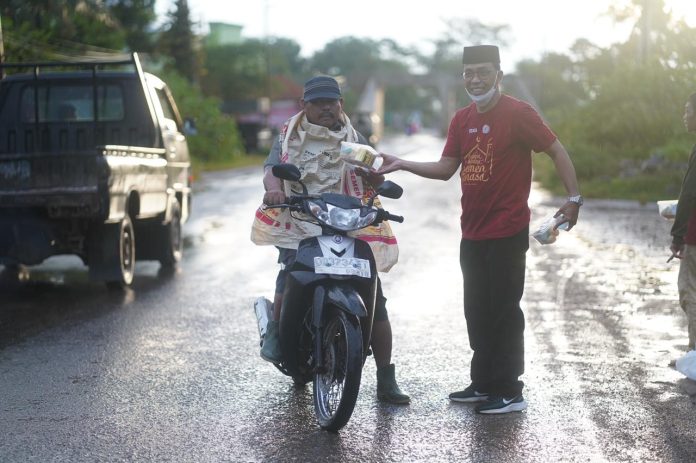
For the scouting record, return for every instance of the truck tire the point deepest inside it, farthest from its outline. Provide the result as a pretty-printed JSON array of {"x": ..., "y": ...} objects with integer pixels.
[
  {"x": 122, "y": 236},
  {"x": 171, "y": 242},
  {"x": 112, "y": 253}
]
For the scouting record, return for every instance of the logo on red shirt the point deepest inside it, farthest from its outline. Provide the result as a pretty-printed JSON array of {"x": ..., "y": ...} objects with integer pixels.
[{"x": 477, "y": 165}]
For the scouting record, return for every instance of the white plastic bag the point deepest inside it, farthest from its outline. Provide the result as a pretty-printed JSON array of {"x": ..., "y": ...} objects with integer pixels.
[
  {"x": 548, "y": 230},
  {"x": 668, "y": 208},
  {"x": 686, "y": 365}
]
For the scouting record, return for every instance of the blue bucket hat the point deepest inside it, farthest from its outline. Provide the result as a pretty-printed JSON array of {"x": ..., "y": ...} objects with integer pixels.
[{"x": 321, "y": 87}]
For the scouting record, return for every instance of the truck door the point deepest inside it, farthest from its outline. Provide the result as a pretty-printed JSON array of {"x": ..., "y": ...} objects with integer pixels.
[{"x": 178, "y": 161}]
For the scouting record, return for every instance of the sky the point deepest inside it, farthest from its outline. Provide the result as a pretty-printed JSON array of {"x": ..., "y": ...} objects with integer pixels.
[{"x": 536, "y": 26}]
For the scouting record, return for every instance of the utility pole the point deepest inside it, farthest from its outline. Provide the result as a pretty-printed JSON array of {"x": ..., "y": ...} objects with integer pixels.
[
  {"x": 2, "y": 44},
  {"x": 266, "y": 101},
  {"x": 2, "y": 50},
  {"x": 645, "y": 30}
]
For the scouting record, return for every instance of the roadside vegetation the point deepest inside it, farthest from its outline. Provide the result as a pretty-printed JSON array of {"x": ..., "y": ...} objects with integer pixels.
[{"x": 617, "y": 109}]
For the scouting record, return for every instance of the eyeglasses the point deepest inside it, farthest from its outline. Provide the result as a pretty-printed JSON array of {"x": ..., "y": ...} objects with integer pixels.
[{"x": 482, "y": 73}]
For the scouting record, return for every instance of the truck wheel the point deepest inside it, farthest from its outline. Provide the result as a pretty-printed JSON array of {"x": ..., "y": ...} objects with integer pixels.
[
  {"x": 171, "y": 241},
  {"x": 119, "y": 248}
]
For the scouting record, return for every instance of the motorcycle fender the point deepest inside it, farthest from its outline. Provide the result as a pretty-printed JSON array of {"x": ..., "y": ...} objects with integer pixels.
[{"x": 346, "y": 298}]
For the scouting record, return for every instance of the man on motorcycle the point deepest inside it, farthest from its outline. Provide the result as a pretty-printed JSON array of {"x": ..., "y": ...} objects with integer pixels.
[{"x": 311, "y": 140}]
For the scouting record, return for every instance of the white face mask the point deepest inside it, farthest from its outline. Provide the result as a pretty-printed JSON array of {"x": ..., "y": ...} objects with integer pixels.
[{"x": 483, "y": 100}]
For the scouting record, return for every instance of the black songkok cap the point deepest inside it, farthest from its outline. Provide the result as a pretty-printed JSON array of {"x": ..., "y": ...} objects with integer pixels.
[{"x": 481, "y": 54}]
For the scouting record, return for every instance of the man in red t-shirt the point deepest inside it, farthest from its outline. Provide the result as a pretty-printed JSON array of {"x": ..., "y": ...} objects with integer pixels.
[
  {"x": 492, "y": 140},
  {"x": 684, "y": 231}
]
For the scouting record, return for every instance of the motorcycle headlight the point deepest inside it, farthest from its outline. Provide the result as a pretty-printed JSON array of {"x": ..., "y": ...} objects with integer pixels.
[{"x": 339, "y": 218}]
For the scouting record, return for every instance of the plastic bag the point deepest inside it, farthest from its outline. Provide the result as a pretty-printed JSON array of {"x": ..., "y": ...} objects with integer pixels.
[
  {"x": 668, "y": 208},
  {"x": 548, "y": 230},
  {"x": 686, "y": 365},
  {"x": 360, "y": 155}
]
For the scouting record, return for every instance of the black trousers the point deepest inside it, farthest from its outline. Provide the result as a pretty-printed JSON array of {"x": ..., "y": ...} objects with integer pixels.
[{"x": 493, "y": 273}]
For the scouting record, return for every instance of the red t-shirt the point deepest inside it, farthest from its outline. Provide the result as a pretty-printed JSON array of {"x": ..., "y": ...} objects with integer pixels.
[
  {"x": 496, "y": 165},
  {"x": 690, "y": 237}
]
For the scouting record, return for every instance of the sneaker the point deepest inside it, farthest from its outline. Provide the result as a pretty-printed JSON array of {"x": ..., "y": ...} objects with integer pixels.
[
  {"x": 497, "y": 405},
  {"x": 468, "y": 395}
]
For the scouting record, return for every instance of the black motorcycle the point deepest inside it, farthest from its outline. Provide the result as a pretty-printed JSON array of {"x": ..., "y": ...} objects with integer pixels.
[{"x": 329, "y": 299}]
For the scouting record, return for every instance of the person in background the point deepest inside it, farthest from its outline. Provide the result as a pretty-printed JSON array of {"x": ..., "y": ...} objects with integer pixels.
[
  {"x": 684, "y": 231},
  {"x": 492, "y": 140},
  {"x": 311, "y": 140}
]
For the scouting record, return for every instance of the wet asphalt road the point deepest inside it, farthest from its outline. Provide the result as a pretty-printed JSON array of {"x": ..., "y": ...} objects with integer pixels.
[{"x": 169, "y": 370}]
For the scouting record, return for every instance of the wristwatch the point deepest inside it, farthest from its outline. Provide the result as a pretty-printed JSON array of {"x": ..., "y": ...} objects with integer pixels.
[{"x": 577, "y": 199}]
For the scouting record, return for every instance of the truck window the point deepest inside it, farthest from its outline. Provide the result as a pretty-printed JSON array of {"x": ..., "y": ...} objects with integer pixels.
[
  {"x": 167, "y": 110},
  {"x": 74, "y": 102}
]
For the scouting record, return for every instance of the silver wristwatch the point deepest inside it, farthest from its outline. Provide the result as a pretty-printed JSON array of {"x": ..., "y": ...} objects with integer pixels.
[{"x": 577, "y": 199}]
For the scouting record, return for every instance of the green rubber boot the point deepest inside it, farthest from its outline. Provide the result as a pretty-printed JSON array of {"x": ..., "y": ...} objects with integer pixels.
[
  {"x": 271, "y": 344},
  {"x": 387, "y": 389}
]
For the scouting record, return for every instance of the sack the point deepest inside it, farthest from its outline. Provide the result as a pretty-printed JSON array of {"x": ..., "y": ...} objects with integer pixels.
[
  {"x": 686, "y": 365},
  {"x": 382, "y": 241},
  {"x": 275, "y": 227}
]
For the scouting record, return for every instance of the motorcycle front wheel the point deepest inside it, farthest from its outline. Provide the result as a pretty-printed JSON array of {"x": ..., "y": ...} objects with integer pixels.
[{"x": 337, "y": 381}]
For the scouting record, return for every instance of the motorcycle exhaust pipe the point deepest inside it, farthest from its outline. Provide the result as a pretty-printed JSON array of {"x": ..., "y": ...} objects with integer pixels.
[{"x": 263, "y": 308}]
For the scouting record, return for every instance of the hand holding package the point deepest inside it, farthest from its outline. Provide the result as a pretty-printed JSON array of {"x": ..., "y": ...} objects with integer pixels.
[
  {"x": 360, "y": 155},
  {"x": 548, "y": 230}
]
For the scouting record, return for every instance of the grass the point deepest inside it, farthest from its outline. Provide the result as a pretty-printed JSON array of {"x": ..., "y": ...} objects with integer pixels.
[{"x": 645, "y": 187}]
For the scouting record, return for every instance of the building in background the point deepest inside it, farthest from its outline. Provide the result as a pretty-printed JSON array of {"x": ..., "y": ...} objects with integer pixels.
[{"x": 224, "y": 34}]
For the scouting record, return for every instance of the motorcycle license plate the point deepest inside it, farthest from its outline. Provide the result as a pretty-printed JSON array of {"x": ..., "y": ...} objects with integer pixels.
[{"x": 342, "y": 266}]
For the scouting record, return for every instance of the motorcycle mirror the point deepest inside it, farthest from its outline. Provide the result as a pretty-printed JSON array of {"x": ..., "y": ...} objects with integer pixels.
[
  {"x": 389, "y": 189},
  {"x": 287, "y": 172}
]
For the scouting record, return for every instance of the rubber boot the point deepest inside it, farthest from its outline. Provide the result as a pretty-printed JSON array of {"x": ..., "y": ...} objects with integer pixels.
[
  {"x": 271, "y": 344},
  {"x": 387, "y": 389}
]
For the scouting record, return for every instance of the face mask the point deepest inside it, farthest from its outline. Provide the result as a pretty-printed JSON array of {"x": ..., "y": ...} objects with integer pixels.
[{"x": 483, "y": 100}]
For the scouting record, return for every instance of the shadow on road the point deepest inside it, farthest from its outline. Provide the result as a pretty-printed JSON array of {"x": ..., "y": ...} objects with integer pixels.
[{"x": 37, "y": 299}]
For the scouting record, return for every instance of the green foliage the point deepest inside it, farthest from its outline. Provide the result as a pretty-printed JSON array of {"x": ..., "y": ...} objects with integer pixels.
[
  {"x": 616, "y": 108},
  {"x": 644, "y": 187},
  {"x": 346, "y": 56},
  {"x": 40, "y": 30},
  {"x": 552, "y": 83},
  {"x": 135, "y": 18},
  {"x": 217, "y": 139},
  {"x": 236, "y": 71},
  {"x": 613, "y": 107},
  {"x": 242, "y": 71},
  {"x": 178, "y": 42}
]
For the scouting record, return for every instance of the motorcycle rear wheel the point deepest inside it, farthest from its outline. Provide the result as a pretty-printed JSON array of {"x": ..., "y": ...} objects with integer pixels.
[{"x": 337, "y": 383}]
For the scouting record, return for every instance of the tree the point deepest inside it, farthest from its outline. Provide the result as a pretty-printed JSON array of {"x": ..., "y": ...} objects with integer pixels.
[
  {"x": 218, "y": 138},
  {"x": 179, "y": 42},
  {"x": 554, "y": 83},
  {"x": 634, "y": 93},
  {"x": 346, "y": 56},
  {"x": 135, "y": 18},
  {"x": 236, "y": 72},
  {"x": 243, "y": 71},
  {"x": 35, "y": 29},
  {"x": 447, "y": 57}
]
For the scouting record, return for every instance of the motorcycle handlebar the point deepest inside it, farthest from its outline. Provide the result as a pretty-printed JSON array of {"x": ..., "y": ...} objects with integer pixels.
[
  {"x": 394, "y": 218},
  {"x": 295, "y": 203}
]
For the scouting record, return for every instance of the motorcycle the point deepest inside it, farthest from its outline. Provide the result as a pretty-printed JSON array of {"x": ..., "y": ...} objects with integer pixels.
[{"x": 329, "y": 299}]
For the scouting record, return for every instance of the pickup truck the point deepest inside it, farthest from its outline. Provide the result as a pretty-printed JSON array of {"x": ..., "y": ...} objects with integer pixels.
[{"x": 93, "y": 163}]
